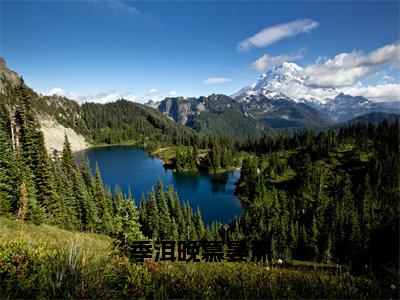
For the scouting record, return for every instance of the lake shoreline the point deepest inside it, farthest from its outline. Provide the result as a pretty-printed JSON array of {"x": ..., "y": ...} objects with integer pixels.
[
  {"x": 134, "y": 168},
  {"x": 153, "y": 153}
]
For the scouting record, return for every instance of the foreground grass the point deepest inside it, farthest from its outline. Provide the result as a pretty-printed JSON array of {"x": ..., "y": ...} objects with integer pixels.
[{"x": 50, "y": 262}]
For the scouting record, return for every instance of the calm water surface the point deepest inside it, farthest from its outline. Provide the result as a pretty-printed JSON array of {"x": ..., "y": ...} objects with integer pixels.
[{"x": 132, "y": 167}]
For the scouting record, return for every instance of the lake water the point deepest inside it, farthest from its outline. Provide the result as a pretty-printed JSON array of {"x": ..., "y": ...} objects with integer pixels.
[{"x": 132, "y": 167}]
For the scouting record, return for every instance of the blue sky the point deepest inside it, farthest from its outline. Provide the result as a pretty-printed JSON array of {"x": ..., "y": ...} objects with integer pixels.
[{"x": 152, "y": 49}]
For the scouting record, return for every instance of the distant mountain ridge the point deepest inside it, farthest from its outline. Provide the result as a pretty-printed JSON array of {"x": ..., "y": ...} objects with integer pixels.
[
  {"x": 256, "y": 109},
  {"x": 371, "y": 118},
  {"x": 345, "y": 107},
  {"x": 241, "y": 118},
  {"x": 215, "y": 114},
  {"x": 286, "y": 81}
]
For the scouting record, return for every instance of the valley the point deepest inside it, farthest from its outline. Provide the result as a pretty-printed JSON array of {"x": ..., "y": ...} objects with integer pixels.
[
  {"x": 199, "y": 149},
  {"x": 301, "y": 177}
]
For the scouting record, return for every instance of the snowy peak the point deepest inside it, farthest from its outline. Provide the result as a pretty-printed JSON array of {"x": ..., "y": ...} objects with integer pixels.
[
  {"x": 287, "y": 81},
  {"x": 282, "y": 73},
  {"x": 284, "y": 80}
]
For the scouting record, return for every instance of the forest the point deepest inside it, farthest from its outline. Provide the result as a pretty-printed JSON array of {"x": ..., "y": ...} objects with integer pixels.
[
  {"x": 330, "y": 197},
  {"x": 327, "y": 197}
]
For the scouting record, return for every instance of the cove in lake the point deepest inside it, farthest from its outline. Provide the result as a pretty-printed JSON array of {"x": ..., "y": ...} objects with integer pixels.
[{"x": 133, "y": 167}]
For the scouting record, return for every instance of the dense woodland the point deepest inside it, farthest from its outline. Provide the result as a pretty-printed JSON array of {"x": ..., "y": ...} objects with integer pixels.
[
  {"x": 334, "y": 196},
  {"x": 38, "y": 188},
  {"x": 331, "y": 196}
]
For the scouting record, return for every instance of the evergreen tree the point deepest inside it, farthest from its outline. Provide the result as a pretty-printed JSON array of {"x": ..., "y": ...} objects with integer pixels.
[
  {"x": 198, "y": 223},
  {"x": 153, "y": 215},
  {"x": 130, "y": 226},
  {"x": 106, "y": 222},
  {"x": 8, "y": 178},
  {"x": 164, "y": 219}
]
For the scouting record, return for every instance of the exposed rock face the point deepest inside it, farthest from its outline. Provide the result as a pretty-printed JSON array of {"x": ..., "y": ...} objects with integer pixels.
[
  {"x": 7, "y": 76},
  {"x": 51, "y": 112},
  {"x": 54, "y": 134},
  {"x": 215, "y": 114},
  {"x": 177, "y": 109},
  {"x": 271, "y": 110}
]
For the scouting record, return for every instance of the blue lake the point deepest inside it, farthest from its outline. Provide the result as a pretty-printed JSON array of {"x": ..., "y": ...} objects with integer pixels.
[{"x": 133, "y": 167}]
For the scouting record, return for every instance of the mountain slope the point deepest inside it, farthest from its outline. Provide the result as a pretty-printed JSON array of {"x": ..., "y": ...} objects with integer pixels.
[
  {"x": 123, "y": 120},
  {"x": 283, "y": 113},
  {"x": 215, "y": 114},
  {"x": 90, "y": 123}
]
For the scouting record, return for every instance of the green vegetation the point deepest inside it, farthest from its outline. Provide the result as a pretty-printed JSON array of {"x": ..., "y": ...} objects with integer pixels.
[
  {"x": 331, "y": 197},
  {"x": 213, "y": 115},
  {"x": 54, "y": 263},
  {"x": 38, "y": 188},
  {"x": 163, "y": 217},
  {"x": 122, "y": 121}
]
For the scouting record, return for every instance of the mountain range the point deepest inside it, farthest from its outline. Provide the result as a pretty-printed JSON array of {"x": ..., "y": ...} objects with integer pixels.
[
  {"x": 248, "y": 114},
  {"x": 279, "y": 99}
]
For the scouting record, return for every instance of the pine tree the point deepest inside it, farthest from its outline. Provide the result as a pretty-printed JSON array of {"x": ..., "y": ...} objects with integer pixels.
[
  {"x": 106, "y": 222},
  {"x": 8, "y": 177},
  {"x": 67, "y": 157},
  {"x": 130, "y": 226},
  {"x": 143, "y": 216},
  {"x": 313, "y": 240},
  {"x": 199, "y": 225},
  {"x": 152, "y": 215},
  {"x": 174, "y": 230},
  {"x": 43, "y": 176},
  {"x": 173, "y": 203},
  {"x": 35, "y": 212},
  {"x": 163, "y": 213}
]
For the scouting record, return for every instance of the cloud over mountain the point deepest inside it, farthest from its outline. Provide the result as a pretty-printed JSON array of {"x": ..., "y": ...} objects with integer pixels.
[
  {"x": 99, "y": 97},
  {"x": 347, "y": 68},
  {"x": 266, "y": 61}
]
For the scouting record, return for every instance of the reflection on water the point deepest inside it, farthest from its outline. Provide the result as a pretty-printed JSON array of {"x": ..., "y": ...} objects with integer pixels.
[{"x": 128, "y": 166}]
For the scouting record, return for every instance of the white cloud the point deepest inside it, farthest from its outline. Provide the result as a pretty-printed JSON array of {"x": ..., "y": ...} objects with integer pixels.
[
  {"x": 216, "y": 80},
  {"x": 99, "y": 97},
  {"x": 174, "y": 93},
  {"x": 271, "y": 35},
  {"x": 347, "y": 68},
  {"x": 380, "y": 92},
  {"x": 389, "y": 54},
  {"x": 386, "y": 79},
  {"x": 266, "y": 61},
  {"x": 153, "y": 92},
  {"x": 119, "y": 6}
]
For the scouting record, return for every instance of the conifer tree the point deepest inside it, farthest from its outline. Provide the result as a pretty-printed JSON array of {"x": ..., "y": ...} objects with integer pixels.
[
  {"x": 198, "y": 223},
  {"x": 8, "y": 177},
  {"x": 152, "y": 215},
  {"x": 163, "y": 213},
  {"x": 143, "y": 216},
  {"x": 35, "y": 212},
  {"x": 106, "y": 222},
  {"x": 130, "y": 226}
]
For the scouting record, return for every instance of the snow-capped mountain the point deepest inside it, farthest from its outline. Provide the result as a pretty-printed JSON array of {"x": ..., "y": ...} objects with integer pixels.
[{"x": 286, "y": 80}]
